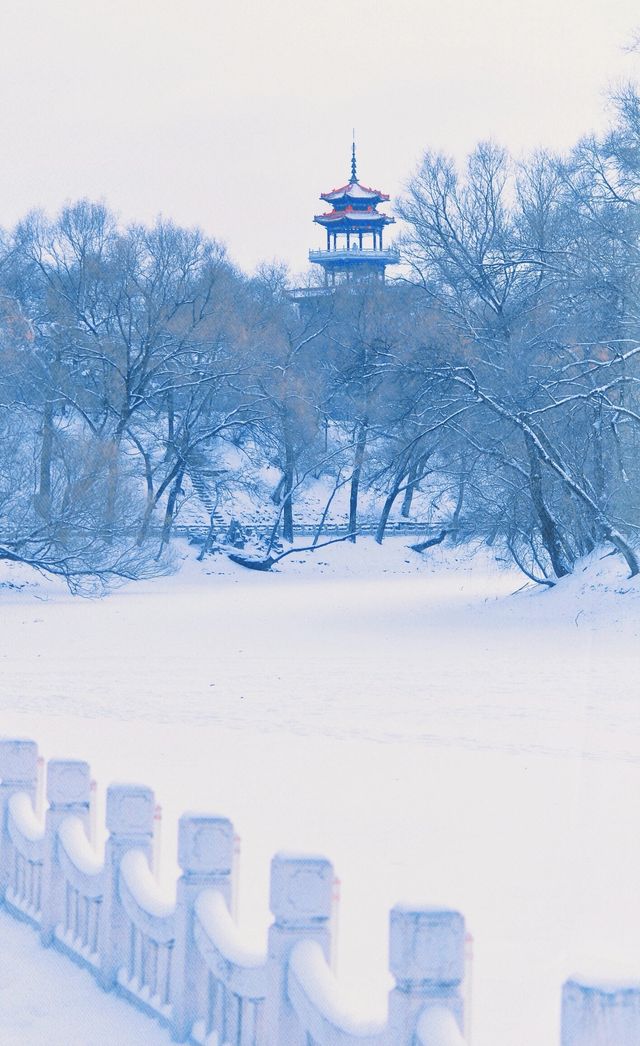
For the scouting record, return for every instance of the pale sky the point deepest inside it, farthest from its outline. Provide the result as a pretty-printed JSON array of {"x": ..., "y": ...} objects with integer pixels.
[{"x": 234, "y": 116}]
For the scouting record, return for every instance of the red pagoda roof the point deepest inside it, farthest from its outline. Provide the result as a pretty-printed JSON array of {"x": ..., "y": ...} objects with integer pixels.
[
  {"x": 352, "y": 214},
  {"x": 355, "y": 191}
]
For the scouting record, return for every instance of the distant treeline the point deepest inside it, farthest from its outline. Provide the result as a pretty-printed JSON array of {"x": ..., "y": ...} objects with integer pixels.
[{"x": 501, "y": 374}]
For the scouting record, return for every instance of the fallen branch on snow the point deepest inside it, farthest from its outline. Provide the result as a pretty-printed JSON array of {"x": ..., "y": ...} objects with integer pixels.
[
  {"x": 423, "y": 545},
  {"x": 270, "y": 561}
]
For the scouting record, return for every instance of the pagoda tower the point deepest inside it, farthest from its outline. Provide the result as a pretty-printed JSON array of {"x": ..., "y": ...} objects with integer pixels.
[{"x": 354, "y": 232}]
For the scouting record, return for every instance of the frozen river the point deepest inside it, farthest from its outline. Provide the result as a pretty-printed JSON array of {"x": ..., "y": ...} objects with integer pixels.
[{"x": 437, "y": 737}]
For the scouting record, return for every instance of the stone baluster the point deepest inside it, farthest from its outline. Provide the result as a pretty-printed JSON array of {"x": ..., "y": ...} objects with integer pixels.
[
  {"x": 205, "y": 855},
  {"x": 130, "y": 810},
  {"x": 18, "y": 773},
  {"x": 427, "y": 960},
  {"x": 301, "y": 902},
  {"x": 600, "y": 1014},
  {"x": 68, "y": 793}
]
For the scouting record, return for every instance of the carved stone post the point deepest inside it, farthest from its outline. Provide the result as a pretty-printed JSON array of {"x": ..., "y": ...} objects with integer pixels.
[
  {"x": 426, "y": 957},
  {"x": 205, "y": 855},
  {"x": 301, "y": 900},
  {"x": 68, "y": 792},
  {"x": 598, "y": 1014},
  {"x": 18, "y": 773},
  {"x": 130, "y": 811}
]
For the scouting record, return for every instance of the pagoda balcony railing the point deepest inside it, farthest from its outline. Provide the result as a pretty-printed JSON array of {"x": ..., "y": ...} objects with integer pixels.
[{"x": 389, "y": 255}]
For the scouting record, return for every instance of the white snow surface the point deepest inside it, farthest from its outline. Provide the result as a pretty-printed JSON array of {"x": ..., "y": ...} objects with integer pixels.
[
  {"x": 46, "y": 1000},
  {"x": 434, "y": 732}
]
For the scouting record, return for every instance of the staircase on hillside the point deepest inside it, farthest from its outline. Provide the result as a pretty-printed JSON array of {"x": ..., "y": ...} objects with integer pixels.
[{"x": 204, "y": 482}]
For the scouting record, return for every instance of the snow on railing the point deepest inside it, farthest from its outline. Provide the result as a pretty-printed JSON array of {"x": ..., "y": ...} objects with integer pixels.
[
  {"x": 81, "y": 872},
  {"x": 26, "y": 840},
  {"x": 600, "y": 1013},
  {"x": 151, "y": 934},
  {"x": 72, "y": 871},
  {"x": 323, "y": 1012},
  {"x": 236, "y": 982},
  {"x": 184, "y": 962},
  {"x": 438, "y": 1027},
  {"x": 354, "y": 251}
]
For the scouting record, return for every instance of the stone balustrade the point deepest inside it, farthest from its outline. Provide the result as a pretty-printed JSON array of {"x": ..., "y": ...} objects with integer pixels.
[{"x": 183, "y": 960}]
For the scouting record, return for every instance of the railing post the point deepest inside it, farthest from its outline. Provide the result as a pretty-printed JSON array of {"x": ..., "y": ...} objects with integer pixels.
[
  {"x": 18, "y": 773},
  {"x": 205, "y": 855},
  {"x": 600, "y": 1014},
  {"x": 130, "y": 811},
  {"x": 67, "y": 793},
  {"x": 301, "y": 900},
  {"x": 426, "y": 957}
]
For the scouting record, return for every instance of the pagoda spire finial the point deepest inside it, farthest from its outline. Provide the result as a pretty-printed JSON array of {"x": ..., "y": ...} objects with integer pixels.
[{"x": 354, "y": 176}]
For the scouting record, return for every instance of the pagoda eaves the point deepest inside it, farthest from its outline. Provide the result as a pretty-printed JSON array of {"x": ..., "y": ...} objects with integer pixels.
[
  {"x": 356, "y": 194},
  {"x": 350, "y": 216}
]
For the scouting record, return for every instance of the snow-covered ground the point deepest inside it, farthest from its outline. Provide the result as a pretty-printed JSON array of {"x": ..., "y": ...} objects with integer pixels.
[
  {"x": 439, "y": 737},
  {"x": 45, "y": 1000}
]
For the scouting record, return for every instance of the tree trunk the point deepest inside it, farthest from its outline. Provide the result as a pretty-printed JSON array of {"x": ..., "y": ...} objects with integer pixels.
[
  {"x": 171, "y": 506},
  {"x": 170, "y": 424},
  {"x": 423, "y": 545},
  {"x": 150, "y": 502},
  {"x": 549, "y": 532},
  {"x": 386, "y": 508},
  {"x": 361, "y": 444},
  {"x": 599, "y": 478},
  {"x": 624, "y": 548},
  {"x": 113, "y": 477},
  {"x": 289, "y": 482},
  {"x": 412, "y": 480},
  {"x": 43, "y": 495},
  {"x": 458, "y": 509}
]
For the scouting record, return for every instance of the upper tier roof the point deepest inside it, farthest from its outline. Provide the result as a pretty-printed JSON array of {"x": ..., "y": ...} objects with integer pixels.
[{"x": 354, "y": 193}]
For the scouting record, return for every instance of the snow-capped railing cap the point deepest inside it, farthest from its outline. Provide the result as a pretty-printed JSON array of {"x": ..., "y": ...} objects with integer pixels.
[
  {"x": 618, "y": 977},
  {"x": 602, "y": 986},
  {"x": 68, "y": 782},
  {"x": 595, "y": 1012},
  {"x": 18, "y": 760},
  {"x": 301, "y": 889},
  {"x": 426, "y": 945},
  {"x": 205, "y": 844},
  {"x": 130, "y": 810}
]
